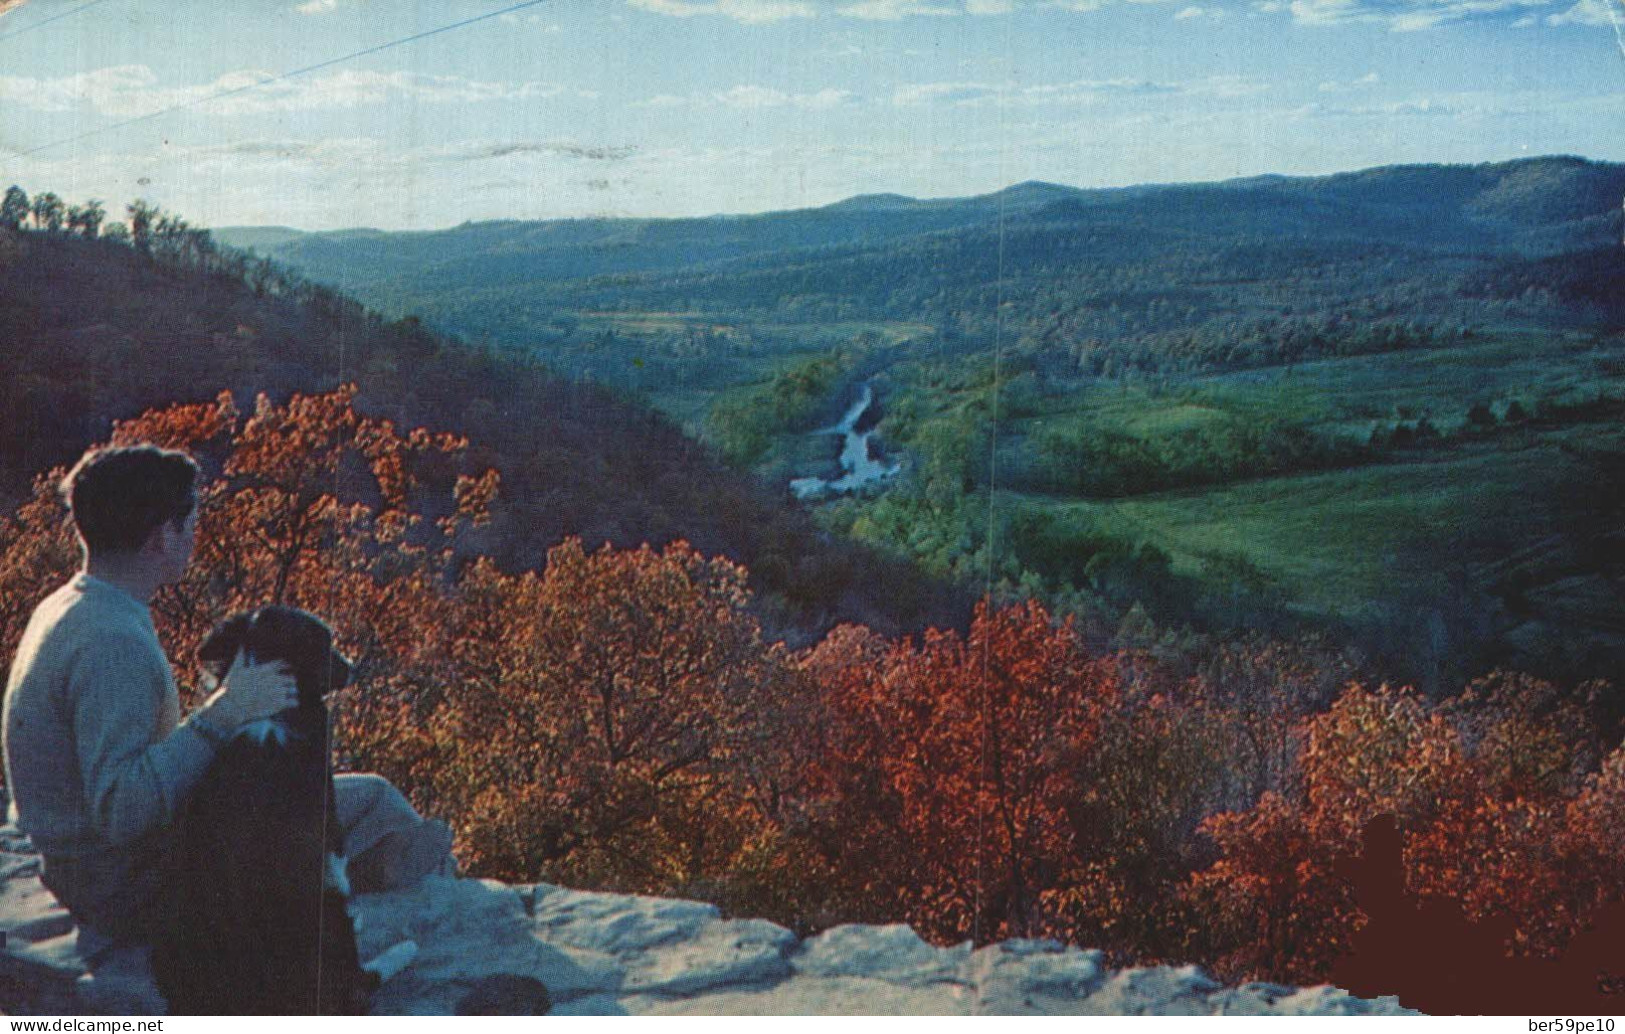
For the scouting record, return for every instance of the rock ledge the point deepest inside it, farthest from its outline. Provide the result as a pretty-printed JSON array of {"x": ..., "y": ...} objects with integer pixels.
[{"x": 619, "y": 954}]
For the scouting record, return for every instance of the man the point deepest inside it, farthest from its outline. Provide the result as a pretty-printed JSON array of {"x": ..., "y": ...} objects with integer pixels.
[{"x": 97, "y": 758}]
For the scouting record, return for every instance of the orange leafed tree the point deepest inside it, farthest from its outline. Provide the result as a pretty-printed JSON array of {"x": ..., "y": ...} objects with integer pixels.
[{"x": 615, "y": 719}]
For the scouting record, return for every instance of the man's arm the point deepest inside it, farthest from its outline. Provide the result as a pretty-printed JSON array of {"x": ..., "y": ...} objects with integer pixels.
[
  {"x": 132, "y": 784},
  {"x": 120, "y": 690}
]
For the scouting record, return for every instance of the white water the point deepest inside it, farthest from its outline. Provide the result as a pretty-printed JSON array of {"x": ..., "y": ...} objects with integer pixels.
[{"x": 860, "y": 468}]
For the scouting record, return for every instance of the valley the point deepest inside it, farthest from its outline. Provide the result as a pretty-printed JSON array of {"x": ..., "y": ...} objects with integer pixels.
[{"x": 1333, "y": 404}]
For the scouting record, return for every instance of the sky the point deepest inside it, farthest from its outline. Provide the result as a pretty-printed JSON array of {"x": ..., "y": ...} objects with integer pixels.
[{"x": 575, "y": 108}]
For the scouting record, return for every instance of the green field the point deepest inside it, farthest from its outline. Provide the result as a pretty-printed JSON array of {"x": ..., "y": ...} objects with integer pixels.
[{"x": 1337, "y": 541}]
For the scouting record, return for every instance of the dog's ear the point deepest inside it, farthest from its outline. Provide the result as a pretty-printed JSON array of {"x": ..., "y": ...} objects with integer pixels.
[{"x": 220, "y": 648}]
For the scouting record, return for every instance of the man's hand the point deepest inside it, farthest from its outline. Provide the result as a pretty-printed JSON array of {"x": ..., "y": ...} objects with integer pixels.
[{"x": 251, "y": 691}]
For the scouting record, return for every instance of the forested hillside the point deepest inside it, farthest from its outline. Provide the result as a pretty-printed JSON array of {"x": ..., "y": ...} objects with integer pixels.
[{"x": 97, "y": 330}]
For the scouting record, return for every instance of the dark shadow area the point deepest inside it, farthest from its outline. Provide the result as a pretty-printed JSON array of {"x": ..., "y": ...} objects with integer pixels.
[{"x": 1430, "y": 956}]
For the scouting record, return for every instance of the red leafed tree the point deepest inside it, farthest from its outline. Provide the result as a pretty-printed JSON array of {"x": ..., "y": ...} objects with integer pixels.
[
  {"x": 37, "y": 553},
  {"x": 1273, "y": 903},
  {"x": 310, "y": 504},
  {"x": 1501, "y": 825},
  {"x": 315, "y": 505},
  {"x": 950, "y": 764}
]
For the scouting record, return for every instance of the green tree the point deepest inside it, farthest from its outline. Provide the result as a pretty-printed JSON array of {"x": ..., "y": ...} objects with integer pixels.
[
  {"x": 14, "y": 208},
  {"x": 86, "y": 219},
  {"x": 49, "y": 212},
  {"x": 143, "y": 214}
]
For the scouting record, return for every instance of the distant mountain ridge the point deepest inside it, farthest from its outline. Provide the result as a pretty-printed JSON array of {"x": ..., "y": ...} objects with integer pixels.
[{"x": 890, "y": 256}]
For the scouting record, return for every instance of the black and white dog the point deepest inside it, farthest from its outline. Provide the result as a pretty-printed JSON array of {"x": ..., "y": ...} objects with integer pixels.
[{"x": 257, "y": 899}]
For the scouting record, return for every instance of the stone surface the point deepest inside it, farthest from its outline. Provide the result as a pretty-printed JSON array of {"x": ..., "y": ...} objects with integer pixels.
[
  {"x": 485, "y": 947},
  {"x": 894, "y": 953},
  {"x": 821, "y": 996},
  {"x": 615, "y": 924},
  {"x": 467, "y": 930},
  {"x": 739, "y": 952}
]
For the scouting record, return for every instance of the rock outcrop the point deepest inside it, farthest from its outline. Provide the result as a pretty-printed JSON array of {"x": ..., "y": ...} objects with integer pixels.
[{"x": 489, "y": 948}]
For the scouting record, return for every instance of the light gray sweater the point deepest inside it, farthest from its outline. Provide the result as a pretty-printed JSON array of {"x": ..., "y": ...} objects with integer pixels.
[{"x": 96, "y": 758}]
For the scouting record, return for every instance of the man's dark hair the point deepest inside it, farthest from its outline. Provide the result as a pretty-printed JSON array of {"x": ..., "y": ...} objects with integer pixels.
[{"x": 119, "y": 496}]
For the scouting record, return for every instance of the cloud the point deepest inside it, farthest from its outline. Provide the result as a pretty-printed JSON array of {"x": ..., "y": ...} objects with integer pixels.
[
  {"x": 751, "y": 12},
  {"x": 1364, "y": 82},
  {"x": 530, "y": 19},
  {"x": 317, "y": 6},
  {"x": 1397, "y": 15},
  {"x": 134, "y": 90},
  {"x": 1079, "y": 91},
  {"x": 1586, "y": 12},
  {"x": 1408, "y": 15},
  {"x": 664, "y": 100},
  {"x": 765, "y": 97},
  {"x": 896, "y": 10},
  {"x": 751, "y": 96},
  {"x": 765, "y": 11},
  {"x": 945, "y": 93},
  {"x": 1458, "y": 107},
  {"x": 488, "y": 152}
]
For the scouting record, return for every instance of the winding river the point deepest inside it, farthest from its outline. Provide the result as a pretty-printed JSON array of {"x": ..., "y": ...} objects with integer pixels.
[{"x": 858, "y": 466}]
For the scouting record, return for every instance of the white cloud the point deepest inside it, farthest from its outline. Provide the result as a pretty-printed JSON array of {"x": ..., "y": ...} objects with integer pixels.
[
  {"x": 134, "y": 90},
  {"x": 1365, "y": 81},
  {"x": 1409, "y": 15},
  {"x": 529, "y": 19},
  {"x": 764, "y": 11},
  {"x": 317, "y": 6},
  {"x": 1397, "y": 15},
  {"x": 1586, "y": 12},
  {"x": 751, "y": 12},
  {"x": 945, "y": 93},
  {"x": 752, "y": 96},
  {"x": 766, "y": 97},
  {"x": 664, "y": 100},
  {"x": 1458, "y": 107},
  {"x": 896, "y": 10},
  {"x": 1080, "y": 91}
]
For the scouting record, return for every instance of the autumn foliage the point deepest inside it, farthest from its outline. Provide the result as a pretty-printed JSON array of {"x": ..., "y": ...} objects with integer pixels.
[{"x": 618, "y": 719}]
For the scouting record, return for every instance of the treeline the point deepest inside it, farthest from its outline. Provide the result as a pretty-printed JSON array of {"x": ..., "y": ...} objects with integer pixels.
[
  {"x": 1079, "y": 458},
  {"x": 618, "y": 719}
]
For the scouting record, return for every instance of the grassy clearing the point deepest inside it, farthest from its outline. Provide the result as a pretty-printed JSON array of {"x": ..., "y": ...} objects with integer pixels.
[{"x": 1338, "y": 541}]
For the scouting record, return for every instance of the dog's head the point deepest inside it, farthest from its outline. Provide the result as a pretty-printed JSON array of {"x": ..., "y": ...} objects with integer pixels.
[{"x": 300, "y": 639}]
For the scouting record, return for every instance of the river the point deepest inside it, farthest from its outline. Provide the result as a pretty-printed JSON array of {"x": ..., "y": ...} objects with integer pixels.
[{"x": 858, "y": 466}]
